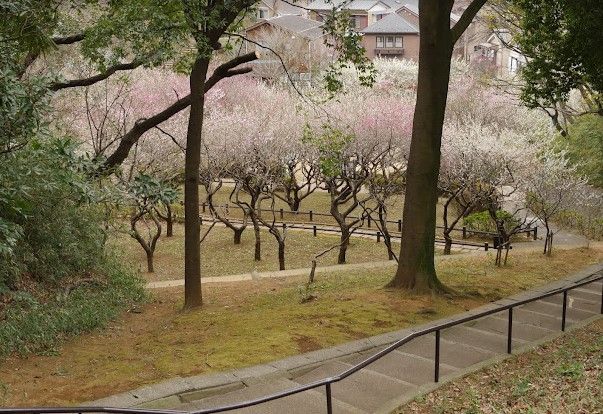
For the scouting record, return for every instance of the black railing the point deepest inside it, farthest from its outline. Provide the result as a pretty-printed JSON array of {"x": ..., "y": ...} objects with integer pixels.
[
  {"x": 529, "y": 231},
  {"x": 357, "y": 231},
  {"x": 327, "y": 382}
]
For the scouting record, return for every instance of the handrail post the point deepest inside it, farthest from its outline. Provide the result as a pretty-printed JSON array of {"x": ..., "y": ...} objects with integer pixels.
[
  {"x": 399, "y": 225},
  {"x": 510, "y": 331},
  {"x": 314, "y": 230},
  {"x": 437, "y": 357},
  {"x": 329, "y": 401},
  {"x": 564, "y": 311},
  {"x": 311, "y": 218},
  {"x": 536, "y": 233}
]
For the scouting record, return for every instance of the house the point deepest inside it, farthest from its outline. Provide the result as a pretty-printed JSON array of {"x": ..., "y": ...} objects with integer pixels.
[
  {"x": 391, "y": 36},
  {"x": 497, "y": 52},
  {"x": 298, "y": 41},
  {"x": 390, "y": 28}
]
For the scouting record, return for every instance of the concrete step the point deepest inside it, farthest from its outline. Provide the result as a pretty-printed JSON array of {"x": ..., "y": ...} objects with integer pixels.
[
  {"x": 410, "y": 368},
  {"x": 366, "y": 390},
  {"x": 593, "y": 287},
  {"x": 575, "y": 302},
  {"x": 532, "y": 318},
  {"x": 478, "y": 338},
  {"x": 499, "y": 324},
  {"x": 588, "y": 294},
  {"x": 555, "y": 308},
  {"x": 452, "y": 354},
  {"x": 311, "y": 401}
]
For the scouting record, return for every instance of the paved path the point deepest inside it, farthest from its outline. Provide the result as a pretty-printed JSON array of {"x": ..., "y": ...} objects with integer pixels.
[
  {"x": 386, "y": 383},
  {"x": 295, "y": 272}
]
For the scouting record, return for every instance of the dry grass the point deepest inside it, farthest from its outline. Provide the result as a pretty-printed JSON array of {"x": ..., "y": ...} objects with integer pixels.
[
  {"x": 561, "y": 377},
  {"x": 218, "y": 252},
  {"x": 248, "y": 323}
]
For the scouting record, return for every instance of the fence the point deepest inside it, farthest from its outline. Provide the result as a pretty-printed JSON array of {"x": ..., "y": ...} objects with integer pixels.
[
  {"x": 327, "y": 382},
  {"x": 466, "y": 232},
  {"x": 359, "y": 231}
]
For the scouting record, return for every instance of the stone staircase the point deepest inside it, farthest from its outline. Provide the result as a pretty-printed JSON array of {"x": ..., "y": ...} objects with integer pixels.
[{"x": 379, "y": 386}]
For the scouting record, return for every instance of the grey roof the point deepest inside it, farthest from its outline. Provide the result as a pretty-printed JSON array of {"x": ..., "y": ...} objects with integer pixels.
[
  {"x": 392, "y": 23},
  {"x": 308, "y": 28},
  {"x": 414, "y": 8},
  {"x": 325, "y": 5},
  {"x": 322, "y": 5}
]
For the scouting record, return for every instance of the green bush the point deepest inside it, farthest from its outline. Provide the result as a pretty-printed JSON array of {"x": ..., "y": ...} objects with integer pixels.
[
  {"x": 590, "y": 227},
  {"x": 584, "y": 147},
  {"x": 56, "y": 279},
  {"x": 30, "y": 325},
  {"x": 481, "y": 221}
]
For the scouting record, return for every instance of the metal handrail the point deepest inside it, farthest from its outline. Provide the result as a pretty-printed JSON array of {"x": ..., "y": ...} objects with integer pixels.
[{"x": 327, "y": 382}]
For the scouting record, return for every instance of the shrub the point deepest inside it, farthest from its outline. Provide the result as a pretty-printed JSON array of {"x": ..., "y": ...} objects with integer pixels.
[
  {"x": 34, "y": 325},
  {"x": 56, "y": 279},
  {"x": 481, "y": 221}
]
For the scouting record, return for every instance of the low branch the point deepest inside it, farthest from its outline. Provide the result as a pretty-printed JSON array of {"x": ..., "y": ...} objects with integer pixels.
[
  {"x": 225, "y": 70},
  {"x": 68, "y": 40},
  {"x": 466, "y": 18},
  {"x": 74, "y": 83}
]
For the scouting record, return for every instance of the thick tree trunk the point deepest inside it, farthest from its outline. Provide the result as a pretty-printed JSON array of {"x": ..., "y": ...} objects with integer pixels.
[
  {"x": 345, "y": 241},
  {"x": 258, "y": 241},
  {"x": 281, "y": 254},
  {"x": 448, "y": 244},
  {"x": 192, "y": 233},
  {"x": 416, "y": 269},
  {"x": 237, "y": 235},
  {"x": 150, "y": 267},
  {"x": 169, "y": 220}
]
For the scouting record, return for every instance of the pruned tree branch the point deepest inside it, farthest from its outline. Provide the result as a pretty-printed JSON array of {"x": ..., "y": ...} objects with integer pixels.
[
  {"x": 225, "y": 70},
  {"x": 466, "y": 18},
  {"x": 74, "y": 83},
  {"x": 68, "y": 40}
]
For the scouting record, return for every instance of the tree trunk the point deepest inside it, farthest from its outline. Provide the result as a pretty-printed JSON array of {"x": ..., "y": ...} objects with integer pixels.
[
  {"x": 448, "y": 244},
  {"x": 150, "y": 267},
  {"x": 258, "y": 241},
  {"x": 281, "y": 254},
  {"x": 169, "y": 220},
  {"x": 237, "y": 235},
  {"x": 192, "y": 232},
  {"x": 416, "y": 269},
  {"x": 345, "y": 241},
  {"x": 296, "y": 203}
]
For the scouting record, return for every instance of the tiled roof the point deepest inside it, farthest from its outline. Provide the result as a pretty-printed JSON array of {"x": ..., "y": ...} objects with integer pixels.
[{"x": 392, "y": 23}]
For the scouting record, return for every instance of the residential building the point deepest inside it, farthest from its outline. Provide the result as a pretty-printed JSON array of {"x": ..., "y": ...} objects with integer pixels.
[
  {"x": 298, "y": 41},
  {"x": 391, "y": 36}
]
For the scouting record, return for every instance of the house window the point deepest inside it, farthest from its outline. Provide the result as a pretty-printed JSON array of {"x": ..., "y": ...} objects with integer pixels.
[
  {"x": 514, "y": 64},
  {"x": 389, "y": 41},
  {"x": 380, "y": 41},
  {"x": 262, "y": 13},
  {"x": 398, "y": 42}
]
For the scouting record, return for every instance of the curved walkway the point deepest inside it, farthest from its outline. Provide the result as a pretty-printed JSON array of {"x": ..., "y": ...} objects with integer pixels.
[{"x": 390, "y": 381}]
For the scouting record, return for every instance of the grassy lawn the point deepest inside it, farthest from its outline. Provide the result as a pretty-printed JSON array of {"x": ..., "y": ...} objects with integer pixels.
[
  {"x": 248, "y": 323},
  {"x": 563, "y": 376},
  {"x": 218, "y": 251}
]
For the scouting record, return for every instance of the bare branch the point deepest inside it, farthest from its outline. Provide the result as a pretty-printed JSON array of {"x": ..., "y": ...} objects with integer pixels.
[
  {"x": 466, "y": 18},
  {"x": 96, "y": 78}
]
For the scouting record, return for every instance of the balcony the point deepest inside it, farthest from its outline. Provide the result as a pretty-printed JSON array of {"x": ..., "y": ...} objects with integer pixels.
[{"x": 380, "y": 51}]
